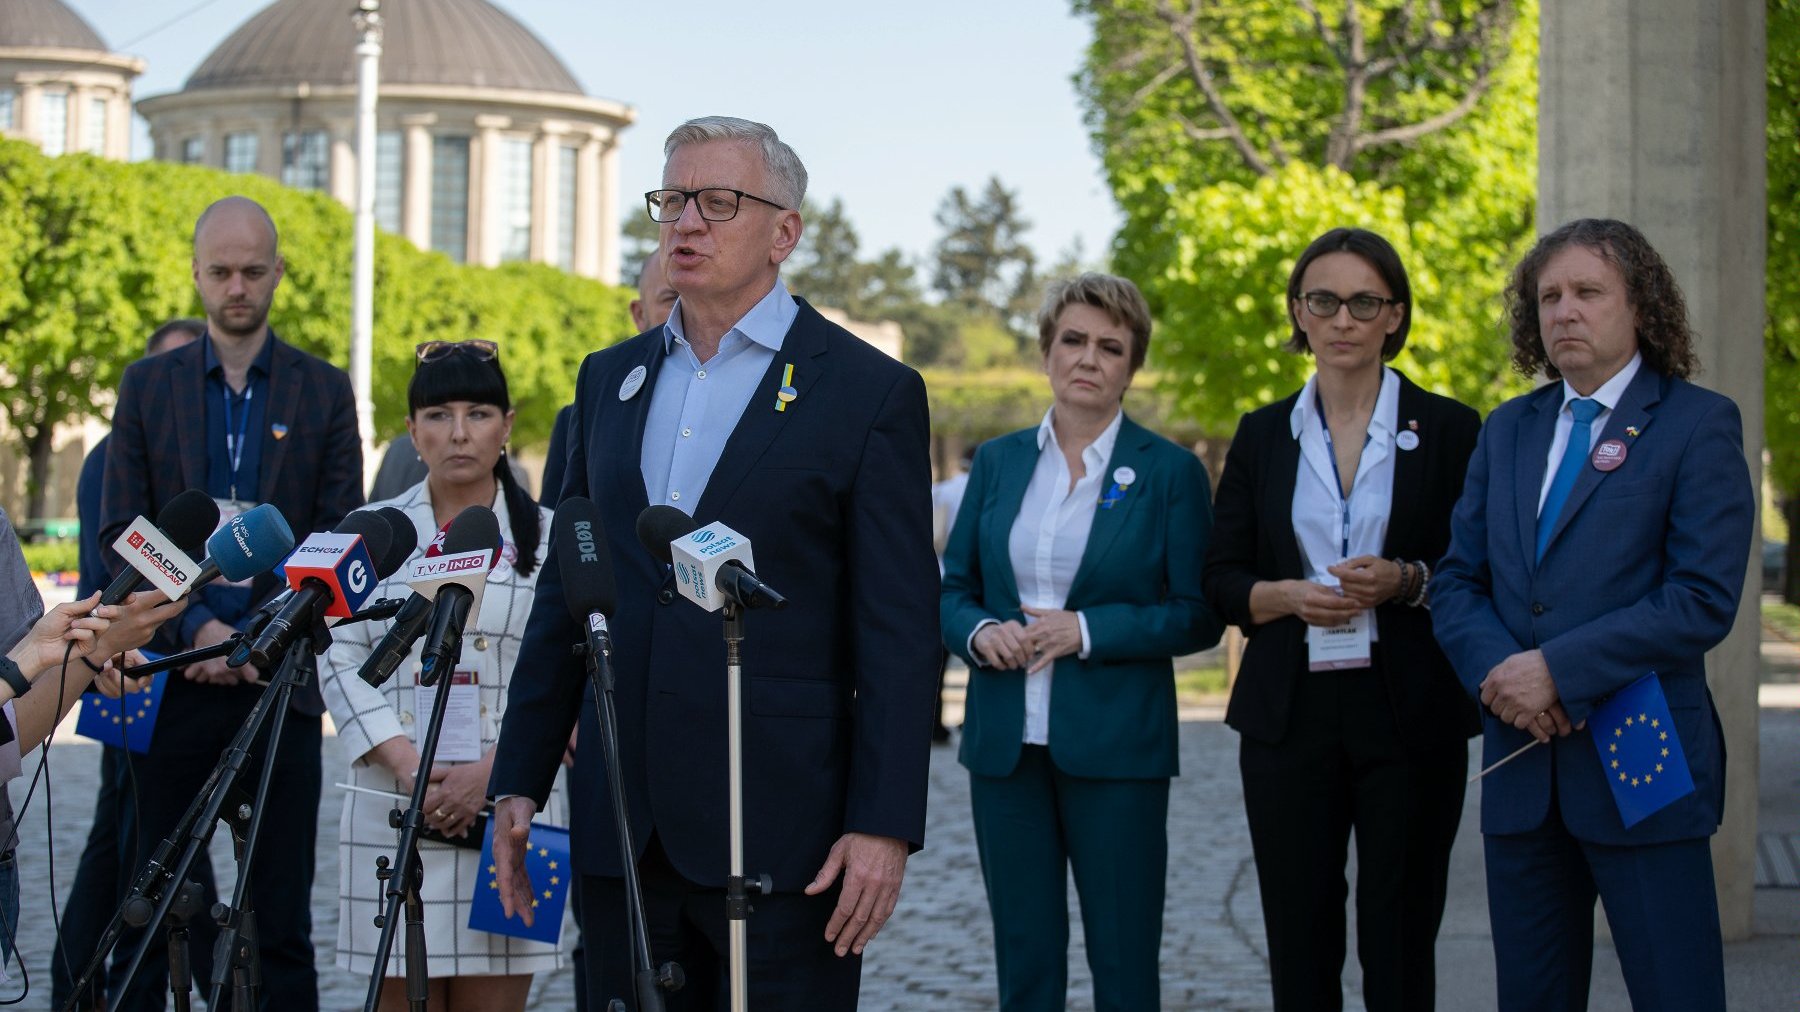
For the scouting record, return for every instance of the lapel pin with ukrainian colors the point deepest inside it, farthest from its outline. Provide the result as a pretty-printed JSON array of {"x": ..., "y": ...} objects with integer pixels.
[
  {"x": 634, "y": 381},
  {"x": 787, "y": 393},
  {"x": 1632, "y": 431},
  {"x": 279, "y": 431}
]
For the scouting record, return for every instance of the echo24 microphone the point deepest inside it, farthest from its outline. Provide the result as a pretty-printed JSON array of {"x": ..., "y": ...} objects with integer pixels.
[
  {"x": 331, "y": 574},
  {"x": 585, "y": 565},
  {"x": 409, "y": 622},
  {"x": 402, "y": 540},
  {"x": 454, "y": 581},
  {"x": 706, "y": 559},
  {"x": 161, "y": 553}
]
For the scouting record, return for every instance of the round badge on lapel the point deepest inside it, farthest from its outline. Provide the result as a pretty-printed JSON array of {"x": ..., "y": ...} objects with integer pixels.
[
  {"x": 1407, "y": 440},
  {"x": 1609, "y": 455},
  {"x": 1124, "y": 475},
  {"x": 634, "y": 381}
]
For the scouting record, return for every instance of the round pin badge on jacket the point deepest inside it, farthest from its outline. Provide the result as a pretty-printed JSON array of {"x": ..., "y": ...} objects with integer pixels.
[
  {"x": 1609, "y": 455},
  {"x": 1407, "y": 440},
  {"x": 634, "y": 381},
  {"x": 1124, "y": 476}
]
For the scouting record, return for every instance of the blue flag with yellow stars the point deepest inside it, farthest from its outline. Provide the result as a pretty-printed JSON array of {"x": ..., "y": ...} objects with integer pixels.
[
  {"x": 1640, "y": 751},
  {"x": 127, "y": 721},
  {"x": 547, "y": 861}
]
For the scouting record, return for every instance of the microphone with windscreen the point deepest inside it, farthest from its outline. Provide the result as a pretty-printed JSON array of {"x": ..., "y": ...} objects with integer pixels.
[
  {"x": 455, "y": 581},
  {"x": 161, "y": 554},
  {"x": 332, "y": 575},
  {"x": 713, "y": 564},
  {"x": 585, "y": 565},
  {"x": 409, "y": 621}
]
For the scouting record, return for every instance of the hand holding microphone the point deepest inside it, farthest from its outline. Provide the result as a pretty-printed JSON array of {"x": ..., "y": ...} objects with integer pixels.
[
  {"x": 713, "y": 564},
  {"x": 159, "y": 554}
]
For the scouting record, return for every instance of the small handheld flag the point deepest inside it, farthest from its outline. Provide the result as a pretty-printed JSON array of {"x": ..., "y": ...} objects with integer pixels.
[
  {"x": 547, "y": 862},
  {"x": 126, "y": 722},
  {"x": 1639, "y": 750}
]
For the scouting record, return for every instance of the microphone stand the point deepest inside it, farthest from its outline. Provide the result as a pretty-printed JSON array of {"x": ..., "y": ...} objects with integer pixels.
[
  {"x": 152, "y": 901},
  {"x": 403, "y": 877},
  {"x": 737, "y": 888},
  {"x": 650, "y": 983}
]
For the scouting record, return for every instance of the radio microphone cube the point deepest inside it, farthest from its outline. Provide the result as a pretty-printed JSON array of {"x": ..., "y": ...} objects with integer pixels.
[
  {"x": 154, "y": 556},
  {"x": 340, "y": 561},
  {"x": 700, "y": 556}
]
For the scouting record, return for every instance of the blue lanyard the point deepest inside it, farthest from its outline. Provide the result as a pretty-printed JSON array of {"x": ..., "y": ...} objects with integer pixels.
[
  {"x": 1337, "y": 480},
  {"x": 234, "y": 445}
]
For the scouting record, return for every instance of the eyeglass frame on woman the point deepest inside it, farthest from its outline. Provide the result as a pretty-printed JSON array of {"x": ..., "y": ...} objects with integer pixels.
[
  {"x": 1379, "y": 303},
  {"x": 689, "y": 195},
  {"x": 435, "y": 351}
]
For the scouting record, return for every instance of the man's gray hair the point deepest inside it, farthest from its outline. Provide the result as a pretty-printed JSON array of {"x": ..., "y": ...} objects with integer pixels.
[{"x": 786, "y": 173}]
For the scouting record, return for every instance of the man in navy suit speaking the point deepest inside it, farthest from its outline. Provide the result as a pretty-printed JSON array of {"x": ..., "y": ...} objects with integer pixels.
[
  {"x": 1602, "y": 536},
  {"x": 746, "y": 408}
]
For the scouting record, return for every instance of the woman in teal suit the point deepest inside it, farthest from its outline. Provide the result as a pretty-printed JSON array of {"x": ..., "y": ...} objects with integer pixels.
[{"x": 1070, "y": 581}]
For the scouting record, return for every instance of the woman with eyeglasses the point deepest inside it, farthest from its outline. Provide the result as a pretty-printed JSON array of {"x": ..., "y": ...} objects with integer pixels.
[
  {"x": 1333, "y": 507},
  {"x": 460, "y": 417}
]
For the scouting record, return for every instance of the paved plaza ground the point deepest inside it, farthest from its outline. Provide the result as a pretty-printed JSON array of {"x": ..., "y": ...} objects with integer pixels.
[{"x": 937, "y": 951}]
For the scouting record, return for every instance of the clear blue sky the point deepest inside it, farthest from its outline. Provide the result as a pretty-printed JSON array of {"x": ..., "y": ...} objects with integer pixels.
[{"x": 888, "y": 104}]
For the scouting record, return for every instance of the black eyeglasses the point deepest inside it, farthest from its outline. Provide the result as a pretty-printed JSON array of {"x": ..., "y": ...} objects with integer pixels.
[
  {"x": 1362, "y": 307},
  {"x": 716, "y": 203},
  {"x": 481, "y": 351}
]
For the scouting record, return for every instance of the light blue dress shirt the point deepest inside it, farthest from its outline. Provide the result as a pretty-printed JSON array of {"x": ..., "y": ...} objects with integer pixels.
[
  {"x": 1608, "y": 395},
  {"x": 696, "y": 405}
]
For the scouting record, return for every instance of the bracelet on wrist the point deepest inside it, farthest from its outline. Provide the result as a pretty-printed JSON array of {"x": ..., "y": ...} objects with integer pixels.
[{"x": 14, "y": 676}]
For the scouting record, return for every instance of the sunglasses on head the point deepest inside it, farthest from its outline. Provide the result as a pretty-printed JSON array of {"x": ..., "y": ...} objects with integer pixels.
[{"x": 432, "y": 351}]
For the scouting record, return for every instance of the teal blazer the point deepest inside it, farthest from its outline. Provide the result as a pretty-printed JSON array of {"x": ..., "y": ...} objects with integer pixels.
[{"x": 1138, "y": 584}]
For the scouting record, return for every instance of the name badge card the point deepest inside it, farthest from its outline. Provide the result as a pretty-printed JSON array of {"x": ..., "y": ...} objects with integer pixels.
[
  {"x": 459, "y": 740},
  {"x": 1338, "y": 648}
]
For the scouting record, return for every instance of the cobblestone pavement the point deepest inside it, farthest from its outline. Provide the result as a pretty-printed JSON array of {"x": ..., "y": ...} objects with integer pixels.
[{"x": 937, "y": 953}]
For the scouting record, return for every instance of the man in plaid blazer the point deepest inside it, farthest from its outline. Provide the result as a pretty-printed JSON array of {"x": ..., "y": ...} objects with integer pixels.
[{"x": 251, "y": 420}]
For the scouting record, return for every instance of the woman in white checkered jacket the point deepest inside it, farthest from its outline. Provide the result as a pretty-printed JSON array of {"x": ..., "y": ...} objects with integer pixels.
[{"x": 460, "y": 417}]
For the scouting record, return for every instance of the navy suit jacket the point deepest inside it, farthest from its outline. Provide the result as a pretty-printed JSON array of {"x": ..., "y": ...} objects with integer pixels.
[
  {"x": 1112, "y": 715},
  {"x": 1642, "y": 573},
  {"x": 835, "y": 495},
  {"x": 1253, "y": 540},
  {"x": 311, "y": 472}
]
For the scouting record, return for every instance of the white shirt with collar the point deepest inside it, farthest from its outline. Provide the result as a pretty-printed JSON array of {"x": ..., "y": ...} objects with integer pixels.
[
  {"x": 1608, "y": 395},
  {"x": 695, "y": 405},
  {"x": 1046, "y": 544},
  {"x": 1318, "y": 508}
]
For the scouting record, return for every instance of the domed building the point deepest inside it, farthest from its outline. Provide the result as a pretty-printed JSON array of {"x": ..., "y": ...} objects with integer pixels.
[
  {"x": 487, "y": 148},
  {"x": 60, "y": 87}
]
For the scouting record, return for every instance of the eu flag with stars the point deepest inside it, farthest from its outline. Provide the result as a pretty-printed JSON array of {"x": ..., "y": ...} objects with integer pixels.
[
  {"x": 1640, "y": 751},
  {"x": 547, "y": 861},
  {"x": 127, "y": 721}
]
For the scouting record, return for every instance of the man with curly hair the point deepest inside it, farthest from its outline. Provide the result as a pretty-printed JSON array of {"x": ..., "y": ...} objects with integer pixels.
[{"x": 1602, "y": 535}]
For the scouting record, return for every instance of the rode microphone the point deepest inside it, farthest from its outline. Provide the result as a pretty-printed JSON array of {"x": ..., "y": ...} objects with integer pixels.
[
  {"x": 409, "y": 622},
  {"x": 331, "y": 574},
  {"x": 454, "y": 581},
  {"x": 706, "y": 559},
  {"x": 162, "y": 553},
  {"x": 585, "y": 565}
]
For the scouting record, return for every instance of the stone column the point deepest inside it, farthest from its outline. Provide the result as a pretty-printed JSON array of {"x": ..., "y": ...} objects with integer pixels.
[
  {"x": 606, "y": 212},
  {"x": 1653, "y": 111},
  {"x": 486, "y": 202},
  {"x": 588, "y": 206},
  {"x": 118, "y": 125},
  {"x": 342, "y": 185},
  {"x": 415, "y": 214},
  {"x": 546, "y": 191},
  {"x": 27, "y": 111}
]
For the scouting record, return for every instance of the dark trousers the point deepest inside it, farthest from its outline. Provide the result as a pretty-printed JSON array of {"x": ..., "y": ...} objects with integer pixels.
[
  {"x": 186, "y": 748},
  {"x": 1031, "y": 827},
  {"x": 1343, "y": 768},
  {"x": 1660, "y": 903},
  {"x": 97, "y": 892},
  {"x": 791, "y": 966}
]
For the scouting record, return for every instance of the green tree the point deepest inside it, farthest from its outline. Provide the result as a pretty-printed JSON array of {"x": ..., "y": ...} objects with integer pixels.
[
  {"x": 95, "y": 254},
  {"x": 1232, "y": 134},
  {"x": 640, "y": 237},
  {"x": 1781, "y": 342},
  {"x": 983, "y": 263}
]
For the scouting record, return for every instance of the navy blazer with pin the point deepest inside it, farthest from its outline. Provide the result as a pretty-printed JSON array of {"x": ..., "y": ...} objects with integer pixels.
[
  {"x": 1642, "y": 573},
  {"x": 833, "y": 492}
]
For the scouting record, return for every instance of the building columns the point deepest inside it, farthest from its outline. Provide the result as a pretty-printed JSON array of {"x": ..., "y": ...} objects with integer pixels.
[
  {"x": 1653, "y": 111},
  {"x": 607, "y": 212},
  {"x": 486, "y": 200}
]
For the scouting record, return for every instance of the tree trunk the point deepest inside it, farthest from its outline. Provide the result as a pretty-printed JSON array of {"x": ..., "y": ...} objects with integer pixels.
[{"x": 37, "y": 482}]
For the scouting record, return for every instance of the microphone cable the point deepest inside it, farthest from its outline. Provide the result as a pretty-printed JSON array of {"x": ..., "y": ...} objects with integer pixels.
[{"x": 12, "y": 839}]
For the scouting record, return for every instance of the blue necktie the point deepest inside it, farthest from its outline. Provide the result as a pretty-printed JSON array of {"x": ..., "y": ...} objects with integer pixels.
[{"x": 1574, "y": 456}]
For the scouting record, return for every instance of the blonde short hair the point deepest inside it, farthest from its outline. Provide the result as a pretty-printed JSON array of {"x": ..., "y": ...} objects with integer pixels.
[{"x": 1115, "y": 296}]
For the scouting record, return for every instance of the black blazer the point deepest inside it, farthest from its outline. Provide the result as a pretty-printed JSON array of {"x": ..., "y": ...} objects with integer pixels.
[
  {"x": 1253, "y": 540},
  {"x": 834, "y": 491}
]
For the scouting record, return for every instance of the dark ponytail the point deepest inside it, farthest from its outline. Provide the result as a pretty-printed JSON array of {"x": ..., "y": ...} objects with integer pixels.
[{"x": 527, "y": 526}]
